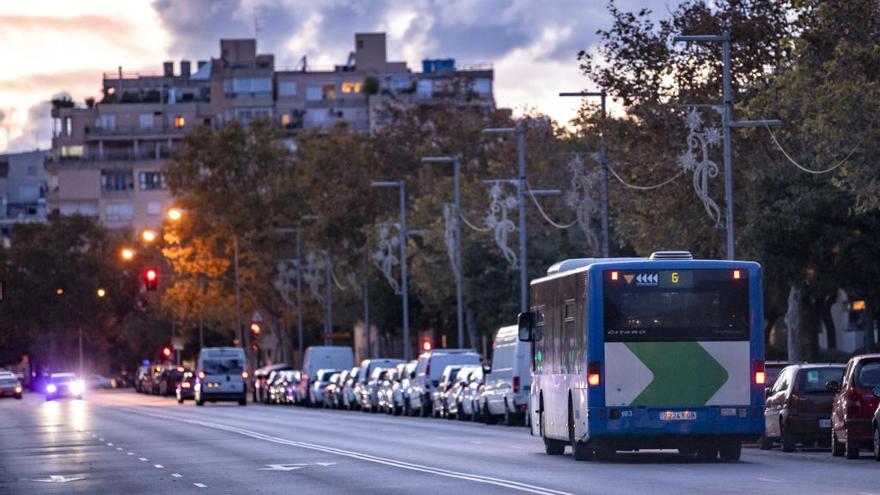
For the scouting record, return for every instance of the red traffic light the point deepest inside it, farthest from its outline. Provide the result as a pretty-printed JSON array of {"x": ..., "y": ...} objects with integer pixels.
[
  {"x": 255, "y": 328},
  {"x": 166, "y": 351},
  {"x": 426, "y": 345},
  {"x": 151, "y": 278}
]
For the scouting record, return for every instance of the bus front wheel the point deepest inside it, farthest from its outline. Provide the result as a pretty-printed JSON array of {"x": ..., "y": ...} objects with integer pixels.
[{"x": 551, "y": 446}]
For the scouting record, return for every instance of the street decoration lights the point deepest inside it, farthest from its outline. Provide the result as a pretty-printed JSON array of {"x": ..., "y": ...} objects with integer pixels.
[
  {"x": 149, "y": 235},
  {"x": 127, "y": 254}
]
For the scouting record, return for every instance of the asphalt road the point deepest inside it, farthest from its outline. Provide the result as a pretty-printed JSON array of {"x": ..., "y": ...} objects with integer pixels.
[{"x": 123, "y": 443}]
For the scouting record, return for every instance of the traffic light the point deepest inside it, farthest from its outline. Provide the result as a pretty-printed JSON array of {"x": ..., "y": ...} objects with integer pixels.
[
  {"x": 166, "y": 352},
  {"x": 151, "y": 278},
  {"x": 255, "y": 328},
  {"x": 426, "y": 344}
]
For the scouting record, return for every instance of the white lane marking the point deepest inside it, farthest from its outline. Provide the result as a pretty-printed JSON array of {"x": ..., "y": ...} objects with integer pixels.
[
  {"x": 142, "y": 459},
  {"x": 129, "y": 453},
  {"x": 769, "y": 480},
  {"x": 515, "y": 485},
  {"x": 101, "y": 439},
  {"x": 282, "y": 467},
  {"x": 109, "y": 444},
  {"x": 477, "y": 442},
  {"x": 55, "y": 478},
  {"x": 201, "y": 485},
  {"x": 325, "y": 464},
  {"x": 158, "y": 466},
  {"x": 177, "y": 475},
  {"x": 119, "y": 448}
]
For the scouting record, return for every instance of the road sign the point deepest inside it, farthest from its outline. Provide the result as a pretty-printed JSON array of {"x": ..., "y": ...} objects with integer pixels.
[{"x": 177, "y": 343}]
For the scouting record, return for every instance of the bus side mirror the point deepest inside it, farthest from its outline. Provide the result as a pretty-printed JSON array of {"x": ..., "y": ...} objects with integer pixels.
[{"x": 526, "y": 324}]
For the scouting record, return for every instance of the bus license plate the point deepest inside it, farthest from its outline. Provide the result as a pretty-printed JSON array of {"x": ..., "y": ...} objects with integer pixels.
[
  {"x": 824, "y": 423},
  {"x": 677, "y": 415}
]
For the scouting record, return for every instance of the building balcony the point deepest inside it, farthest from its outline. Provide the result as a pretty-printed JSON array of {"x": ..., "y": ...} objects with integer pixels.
[{"x": 134, "y": 132}]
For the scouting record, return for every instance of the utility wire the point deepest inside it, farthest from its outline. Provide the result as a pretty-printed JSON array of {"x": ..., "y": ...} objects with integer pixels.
[
  {"x": 811, "y": 171},
  {"x": 472, "y": 226},
  {"x": 641, "y": 188},
  {"x": 544, "y": 214}
]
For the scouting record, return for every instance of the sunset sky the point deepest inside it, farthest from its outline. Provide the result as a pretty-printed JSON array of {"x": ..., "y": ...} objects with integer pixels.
[{"x": 48, "y": 47}]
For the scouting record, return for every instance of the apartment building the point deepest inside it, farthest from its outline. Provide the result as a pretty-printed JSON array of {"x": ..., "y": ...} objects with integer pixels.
[
  {"x": 23, "y": 186},
  {"x": 107, "y": 157}
]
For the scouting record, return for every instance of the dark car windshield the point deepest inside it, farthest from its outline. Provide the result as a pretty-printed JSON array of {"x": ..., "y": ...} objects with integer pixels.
[
  {"x": 869, "y": 375},
  {"x": 814, "y": 379},
  {"x": 8, "y": 381},
  {"x": 222, "y": 366}
]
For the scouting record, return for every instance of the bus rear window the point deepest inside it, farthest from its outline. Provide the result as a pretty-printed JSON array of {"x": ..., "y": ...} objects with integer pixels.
[{"x": 676, "y": 305}]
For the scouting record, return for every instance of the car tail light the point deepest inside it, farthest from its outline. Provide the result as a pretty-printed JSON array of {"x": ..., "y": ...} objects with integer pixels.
[
  {"x": 185, "y": 385},
  {"x": 594, "y": 374},
  {"x": 244, "y": 374},
  {"x": 516, "y": 384},
  {"x": 760, "y": 373},
  {"x": 202, "y": 375}
]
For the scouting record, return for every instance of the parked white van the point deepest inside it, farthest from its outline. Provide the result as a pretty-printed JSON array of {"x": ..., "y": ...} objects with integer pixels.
[
  {"x": 506, "y": 394},
  {"x": 326, "y": 357},
  {"x": 428, "y": 371},
  {"x": 220, "y": 375}
]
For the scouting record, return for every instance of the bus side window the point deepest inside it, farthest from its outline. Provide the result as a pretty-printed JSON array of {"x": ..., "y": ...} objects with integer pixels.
[{"x": 569, "y": 333}]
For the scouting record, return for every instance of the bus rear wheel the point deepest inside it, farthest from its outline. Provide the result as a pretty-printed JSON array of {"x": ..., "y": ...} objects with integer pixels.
[{"x": 730, "y": 451}]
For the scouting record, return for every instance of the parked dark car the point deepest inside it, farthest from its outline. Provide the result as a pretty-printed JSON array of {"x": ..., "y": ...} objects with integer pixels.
[
  {"x": 10, "y": 386},
  {"x": 875, "y": 426},
  {"x": 798, "y": 406},
  {"x": 854, "y": 406},
  {"x": 169, "y": 378},
  {"x": 185, "y": 388}
]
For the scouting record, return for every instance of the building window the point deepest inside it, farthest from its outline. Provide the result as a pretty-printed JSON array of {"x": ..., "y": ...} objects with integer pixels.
[
  {"x": 425, "y": 88},
  {"x": 286, "y": 88},
  {"x": 285, "y": 119},
  {"x": 106, "y": 122},
  {"x": 68, "y": 126},
  {"x": 328, "y": 91},
  {"x": 482, "y": 86},
  {"x": 151, "y": 181},
  {"x": 116, "y": 181},
  {"x": 179, "y": 122},
  {"x": 247, "y": 85},
  {"x": 351, "y": 87},
  {"x": 119, "y": 212},
  {"x": 146, "y": 121},
  {"x": 313, "y": 93},
  {"x": 76, "y": 150},
  {"x": 154, "y": 208}
]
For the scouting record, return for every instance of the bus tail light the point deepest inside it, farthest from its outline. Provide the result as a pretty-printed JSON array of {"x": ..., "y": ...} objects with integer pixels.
[
  {"x": 594, "y": 374},
  {"x": 516, "y": 384},
  {"x": 614, "y": 275},
  {"x": 760, "y": 374}
]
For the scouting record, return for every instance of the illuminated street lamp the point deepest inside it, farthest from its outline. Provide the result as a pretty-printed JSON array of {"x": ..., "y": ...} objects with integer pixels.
[
  {"x": 127, "y": 254},
  {"x": 148, "y": 235},
  {"x": 102, "y": 292},
  {"x": 175, "y": 214}
]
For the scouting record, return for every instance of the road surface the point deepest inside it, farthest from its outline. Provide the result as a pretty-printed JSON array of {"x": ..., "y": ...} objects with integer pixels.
[{"x": 124, "y": 443}]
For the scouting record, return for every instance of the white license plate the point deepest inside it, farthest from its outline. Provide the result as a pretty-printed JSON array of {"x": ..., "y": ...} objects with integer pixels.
[
  {"x": 824, "y": 423},
  {"x": 677, "y": 415}
]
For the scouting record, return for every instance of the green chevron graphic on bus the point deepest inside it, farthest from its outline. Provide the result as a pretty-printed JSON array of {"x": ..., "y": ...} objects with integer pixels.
[{"x": 676, "y": 374}]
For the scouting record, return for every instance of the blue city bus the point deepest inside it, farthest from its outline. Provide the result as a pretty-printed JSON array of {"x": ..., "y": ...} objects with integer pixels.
[{"x": 665, "y": 352}]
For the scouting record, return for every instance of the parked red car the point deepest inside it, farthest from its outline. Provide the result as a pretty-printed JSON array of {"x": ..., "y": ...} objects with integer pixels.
[
  {"x": 799, "y": 405},
  {"x": 854, "y": 406}
]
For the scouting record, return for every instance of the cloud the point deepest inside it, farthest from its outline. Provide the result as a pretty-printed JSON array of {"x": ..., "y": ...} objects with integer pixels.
[{"x": 36, "y": 130}]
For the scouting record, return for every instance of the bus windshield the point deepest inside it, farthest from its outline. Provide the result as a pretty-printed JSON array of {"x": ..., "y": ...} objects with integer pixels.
[{"x": 676, "y": 305}]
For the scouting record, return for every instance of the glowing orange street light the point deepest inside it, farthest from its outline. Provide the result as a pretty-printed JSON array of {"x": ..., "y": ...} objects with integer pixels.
[
  {"x": 148, "y": 235},
  {"x": 175, "y": 214},
  {"x": 102, "y": 292},
  {"x": 59, "y": 291},
  {"x": 127, "y": 254}
]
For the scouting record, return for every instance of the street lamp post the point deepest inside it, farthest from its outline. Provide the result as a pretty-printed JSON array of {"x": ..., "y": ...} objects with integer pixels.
[
  {"x": 521, "y": 198},
  {"x": 299, "y": 308},
  {"x": 459, "y": 310},
  {"x": 603, "y": 165},
  {"x": 404, "y": 280},
  {"x": 727, "y": 123}
]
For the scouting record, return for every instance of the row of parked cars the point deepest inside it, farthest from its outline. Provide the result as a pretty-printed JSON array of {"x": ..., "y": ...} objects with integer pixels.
[
  {"x": 830, "y": 405},
  {"x": 447, "y": 383}
]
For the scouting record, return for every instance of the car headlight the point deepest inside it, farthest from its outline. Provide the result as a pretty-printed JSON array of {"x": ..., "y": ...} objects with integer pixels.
[
  {"x": 51, "y": 388},
  {"x": 76, "y": 387}
]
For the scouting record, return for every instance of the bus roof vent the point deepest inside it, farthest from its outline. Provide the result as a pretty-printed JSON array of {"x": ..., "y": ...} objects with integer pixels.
[{"x": 671, "y": 255}]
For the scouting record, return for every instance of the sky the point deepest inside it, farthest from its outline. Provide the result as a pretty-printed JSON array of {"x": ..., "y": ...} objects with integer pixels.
[{"x": 62, "y": 47}]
